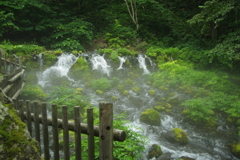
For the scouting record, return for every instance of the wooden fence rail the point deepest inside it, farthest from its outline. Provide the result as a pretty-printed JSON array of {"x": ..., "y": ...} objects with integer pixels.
[{"x": 104, "y": 131}]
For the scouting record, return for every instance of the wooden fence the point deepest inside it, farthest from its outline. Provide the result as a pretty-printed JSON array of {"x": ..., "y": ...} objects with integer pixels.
[
  {"x": 12, "y": 82},
  {"x": 104, "y": 131}
]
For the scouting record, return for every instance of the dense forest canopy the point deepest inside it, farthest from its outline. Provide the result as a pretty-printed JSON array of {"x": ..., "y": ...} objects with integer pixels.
[{"x": 209, "y": 27}]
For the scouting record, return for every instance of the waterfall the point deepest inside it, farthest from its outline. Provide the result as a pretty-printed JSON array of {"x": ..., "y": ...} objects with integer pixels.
[
  {"x": 60, "y": 69},
  {"x": 122, "y": 60},
  {"x": 142, "y": 64},
  {"x": 99, "y": 63}
]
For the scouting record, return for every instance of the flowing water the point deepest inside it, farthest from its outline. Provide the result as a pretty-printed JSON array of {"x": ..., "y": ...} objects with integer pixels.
[{"x": 202, "y": 145}]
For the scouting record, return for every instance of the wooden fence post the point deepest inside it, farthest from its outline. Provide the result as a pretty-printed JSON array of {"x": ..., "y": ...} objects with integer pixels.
[
  {"x": 90, "y": 129},
  {"x": 55, "y": 132},
  {"x": 45, "y": 132},
  {"x": 36, "y": 122},
  {"x": 106, "y": 130},
  {"x": 65, "y": 133},
  {"x": 78, "y": 151},
  {"x": 29, "y": 121}
]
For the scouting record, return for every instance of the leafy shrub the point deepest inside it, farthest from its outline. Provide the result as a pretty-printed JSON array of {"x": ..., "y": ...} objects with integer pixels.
[{"x": 101, "y": 84}]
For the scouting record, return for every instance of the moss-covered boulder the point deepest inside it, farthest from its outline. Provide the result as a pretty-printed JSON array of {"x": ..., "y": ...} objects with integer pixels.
[
  {"x": 154, "y": 151},
  {"x": 152, "y": 92},
  {"x": 236, "y": 149},
  {"x": 99, "y": 92},
  {"x": 180, "y": 136},
  {"x": 79, "y": 69},
  {"x": 151, "y": 117},
  {"x": 15, "y": 140},
  {"x": 33, "y": 92}
]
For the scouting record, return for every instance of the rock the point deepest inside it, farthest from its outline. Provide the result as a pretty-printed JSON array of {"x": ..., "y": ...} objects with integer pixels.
[
  {"x": 151, "y": 117},
  {"x": 236, "y": 149},
  {"x": 165, "y": 156},
  {"x": 154, "y": 151},
  {"x": 15, "y": 140},
  {"x": 177, "y": 135}
]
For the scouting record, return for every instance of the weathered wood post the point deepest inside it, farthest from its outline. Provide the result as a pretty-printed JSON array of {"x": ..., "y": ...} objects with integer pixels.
[
  {"x": 36, "y": 122},
  {"x": 106, "y": 130},
  {"x": 45, "y": 132},
  {"x": 55, "y": 132},
  {"x": 29, "y": 121},
  {"x": 77, "y": 126},
  {"x": 65, "y": 133},
  {"x": 90, "y": 130}
]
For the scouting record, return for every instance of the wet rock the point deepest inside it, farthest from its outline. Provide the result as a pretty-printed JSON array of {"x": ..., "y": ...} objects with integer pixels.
[
  {"x": 165, "y": 156},
  {"x": 236, "y": 149},
  {"x": 154, "y": 151},
  {"x": 15, "y": 140},
  {"x": 177, "y": 135},
  {"x": 151, "y": 117}
]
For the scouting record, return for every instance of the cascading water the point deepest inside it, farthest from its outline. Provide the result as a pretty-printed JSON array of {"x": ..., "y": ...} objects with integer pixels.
[
  {"x": 142, "y": 64},
  {"x": 60, "y": 69},
  {"x": 122, "y": 60},
  {"x": 201, "y": 146},
  {"x": 99, "y": 63}
]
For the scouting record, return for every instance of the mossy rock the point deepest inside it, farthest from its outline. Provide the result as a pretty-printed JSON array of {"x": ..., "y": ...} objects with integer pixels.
[
  {"x": 236, "y": 149},
  {"x": 99, "y": 92},
  {"x": 15, "y": 140},
  {"x": 32, "y": 92},
  {"x": 151, "y": 117},
  {"x": 125, "y": 93},
  {"x": 114, "y": 98},
  {"x": 180, "y": 135},
  {"x": 136, "y": 89},
  {"x": 159, "y": 108},
  {"x": 79, "y": 69},
  {"x": 129, "y": 82},
  {"x": 121, "y": 88},
  {"x": 154, "y": 152},
  {"x": 78, "y": 91},
  {"x": 152, "y": 92},
  {"x": 163, "y": 88},
  {"x": 32, "y": 79}
]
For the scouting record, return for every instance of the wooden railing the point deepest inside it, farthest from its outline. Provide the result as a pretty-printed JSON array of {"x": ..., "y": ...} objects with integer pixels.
[
  {"x": 104, "y": 131},
  {"x": 12, "y": 82}
]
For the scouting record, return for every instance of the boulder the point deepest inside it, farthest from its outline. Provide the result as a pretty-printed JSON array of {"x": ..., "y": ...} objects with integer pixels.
[
  {"x": 151, "y": 117},
  {"x": 154, "y": 151},
  {"x": 15, "y": 140}
]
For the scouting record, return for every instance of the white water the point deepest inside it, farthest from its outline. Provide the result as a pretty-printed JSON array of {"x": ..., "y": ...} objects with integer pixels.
[
  {"x": 99, "y": 63},
  {"x": 60, "y": 69},
  {"x": 200, "y": 147},
  {"x": 142, "y": 64},
  {"x": 122, "y": 60}
]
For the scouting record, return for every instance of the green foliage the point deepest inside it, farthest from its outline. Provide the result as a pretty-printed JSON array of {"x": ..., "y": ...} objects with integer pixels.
[
  {"x": 198, "y": 109},
  {"x": 130, "y": 149},
  {"x": 73, "y": 35},
  {"x": 120, "y": 35},
  {"x": 33, "y": 92},
  {"x": 101, "y": 84},
  {"x": 176, "y": 74},
  {"x": 67, "y": 96}
]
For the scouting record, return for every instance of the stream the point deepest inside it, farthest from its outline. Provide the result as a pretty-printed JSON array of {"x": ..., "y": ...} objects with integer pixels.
[{"x": 202, "y": 145}]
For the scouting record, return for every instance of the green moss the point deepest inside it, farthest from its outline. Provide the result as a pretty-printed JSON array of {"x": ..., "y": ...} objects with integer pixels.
[
  {"x": 154, "y": 151},
  {"x": 180, "y": 135},
  {"x": 136, "y": 89},
  {"x": 236, "y": 149},
  {"x": 150, "y": 116},
  {"x": 99, "y": 92},
  {"x": 125, "y": 93},
  {"x": 79, "y": 69},
  {"x": 159, "y": 108},
  {"x": 152, "y": 92},
  {"x": 14, "y": 139},
  {"x": 114, "y": 98}
]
